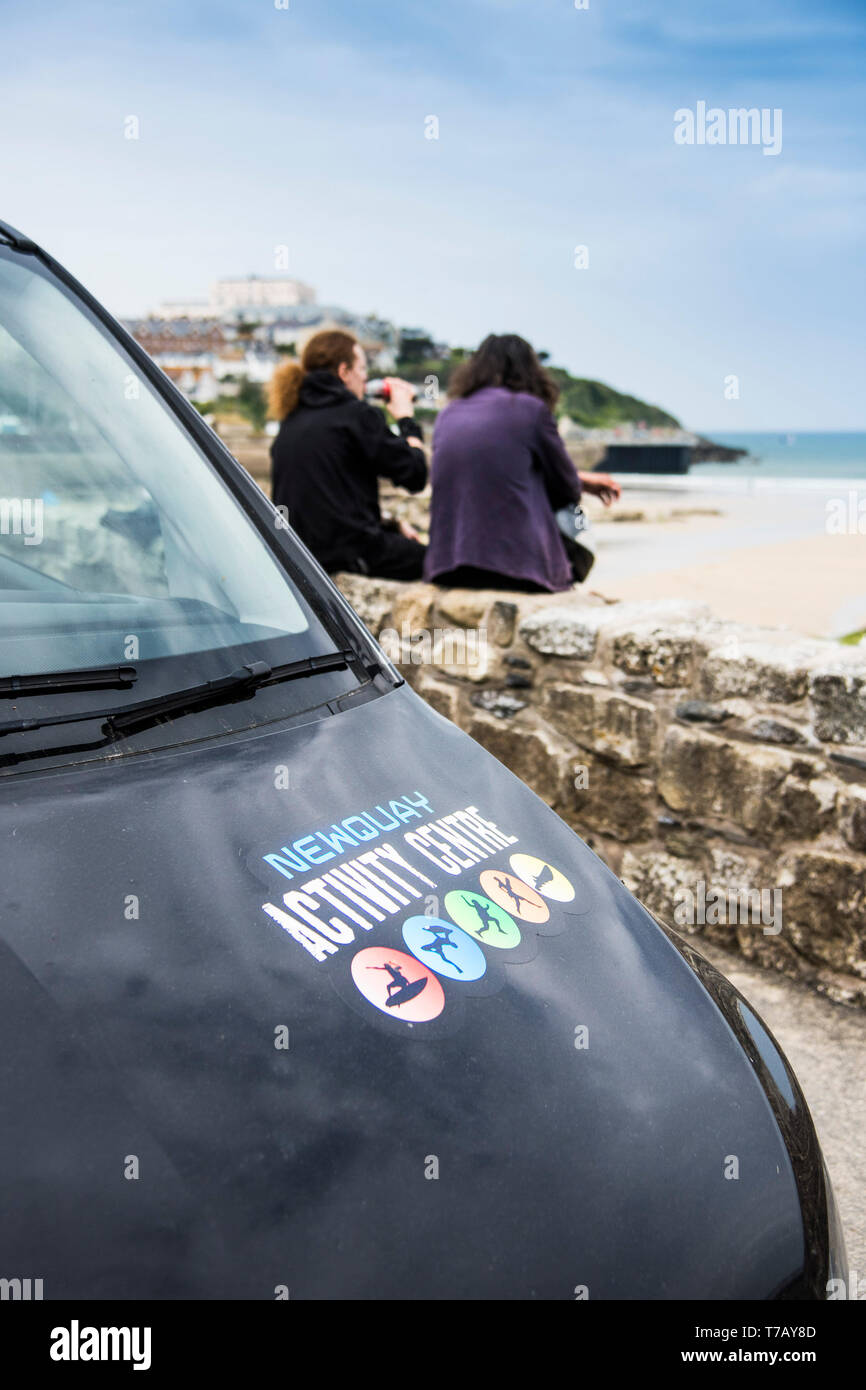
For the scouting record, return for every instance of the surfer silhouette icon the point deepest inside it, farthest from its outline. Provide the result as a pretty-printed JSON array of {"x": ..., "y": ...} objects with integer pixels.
[
  {"x": 398, "y": 984},
  {"x": 400, "y": 990}
]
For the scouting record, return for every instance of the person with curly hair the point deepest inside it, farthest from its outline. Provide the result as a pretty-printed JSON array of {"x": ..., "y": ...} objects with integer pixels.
[{"x": 500, "y": 472}]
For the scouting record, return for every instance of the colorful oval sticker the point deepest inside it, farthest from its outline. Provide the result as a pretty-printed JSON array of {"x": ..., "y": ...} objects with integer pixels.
[
  {"x": 398, "y": 984},
  {"x": 484, "y": 920},
  {"x": 514, "y": 895},
  {"x": 444, "y": 948},
  {"x": 543, "y": 877}
]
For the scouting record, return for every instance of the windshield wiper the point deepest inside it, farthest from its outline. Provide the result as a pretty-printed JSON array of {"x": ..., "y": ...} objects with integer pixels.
[
  {"x": 235, "y": 685},
  {"x": 50, "y": 682}
]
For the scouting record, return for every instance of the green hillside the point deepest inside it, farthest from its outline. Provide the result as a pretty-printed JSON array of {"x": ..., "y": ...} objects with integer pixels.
[
  {"x": 597, "y": 406},
  {"x": 589, "y": 403}
]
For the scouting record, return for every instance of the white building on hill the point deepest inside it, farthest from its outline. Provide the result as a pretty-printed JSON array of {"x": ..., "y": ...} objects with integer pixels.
[
  {"x": 259, "y": 292},
  {"x": 245, "y": 296}
]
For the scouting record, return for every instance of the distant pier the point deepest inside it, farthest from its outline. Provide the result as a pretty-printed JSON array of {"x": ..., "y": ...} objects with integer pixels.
[
  {"x": 648, "y": 457},
  {"x": 632, "y": 448}
]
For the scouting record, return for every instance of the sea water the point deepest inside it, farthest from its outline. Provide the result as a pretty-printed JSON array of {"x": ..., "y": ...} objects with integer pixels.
[{"x": 824, "y": 456}]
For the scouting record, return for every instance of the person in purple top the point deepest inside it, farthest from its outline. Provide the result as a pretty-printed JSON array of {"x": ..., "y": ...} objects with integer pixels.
[{"x": 500, "y": 471}]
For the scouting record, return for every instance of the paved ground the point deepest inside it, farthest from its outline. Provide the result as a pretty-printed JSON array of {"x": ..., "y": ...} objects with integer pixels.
[{"x": 826, "y": 1045}]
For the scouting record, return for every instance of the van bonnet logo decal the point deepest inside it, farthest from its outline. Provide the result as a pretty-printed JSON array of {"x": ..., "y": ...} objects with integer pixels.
[{"x": 494, "y": 917}]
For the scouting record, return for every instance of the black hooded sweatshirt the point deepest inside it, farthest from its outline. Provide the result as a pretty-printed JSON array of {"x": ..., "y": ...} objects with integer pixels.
[{"x": 326, "y": 462}]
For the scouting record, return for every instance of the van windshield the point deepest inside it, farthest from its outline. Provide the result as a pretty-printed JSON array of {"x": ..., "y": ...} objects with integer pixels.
[{"x": 118, "y": 540}]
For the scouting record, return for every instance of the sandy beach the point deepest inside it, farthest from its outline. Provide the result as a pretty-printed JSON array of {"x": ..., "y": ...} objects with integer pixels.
[
  {"x": 755, "y": 553},
  {"x": 757, "y": 550}
]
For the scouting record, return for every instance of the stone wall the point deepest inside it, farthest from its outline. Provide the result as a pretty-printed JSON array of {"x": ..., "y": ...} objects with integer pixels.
[{"x": 707, "y": 763}]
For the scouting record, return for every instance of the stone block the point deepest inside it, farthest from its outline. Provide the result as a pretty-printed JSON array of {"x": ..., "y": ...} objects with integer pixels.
[
  {"x": 567, "y": 632},
  {"x": 615, "y": 726},
  {"x": 700, "y": 712},
  {"x": 661, "y": 881},
  {"x": 501, "y": 622},
  {"x": 412, "y": 606},
  {"x": 659, "y": 615},
  {"x": 680, "y": 840},
  {"x": 838, "y": 700},
  {"x": 459, "y": 653},
  {"x": 804, "y": 809},
  {"x": 442, "y": 697},
  {"x": 465, "y": 607},
  {"x": 665, "y": 656},
  {"x": 771, "y": 668},
  {"x": 609, "y": 800},
  {"x": 531, "y": 751},
  {"x": 852, "y": 817},
  {"x": 738, "y": 900},
  {"x": 590, "y": 677},
  {"x": 497, "y": 702},
  {"x": 464, "y": 654},
  {"x": 824, "y": 908},
  {"x": 765, "y": 730},
  {"x": 371, "y": 599},
  {"x": 713, "y": 778}
]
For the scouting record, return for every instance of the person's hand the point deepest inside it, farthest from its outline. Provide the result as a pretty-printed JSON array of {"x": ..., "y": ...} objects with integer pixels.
[
  {"x": 408, "y": 531},
  {"x": 601, "y": 485},
  {"x": 401, "y": 403}
]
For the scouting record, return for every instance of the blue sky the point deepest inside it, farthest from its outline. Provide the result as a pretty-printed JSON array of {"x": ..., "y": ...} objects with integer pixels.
[{"x": 305, "y": 127}]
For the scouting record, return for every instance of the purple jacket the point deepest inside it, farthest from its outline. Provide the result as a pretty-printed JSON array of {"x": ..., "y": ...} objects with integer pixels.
[{"x": 499, "y": 472}]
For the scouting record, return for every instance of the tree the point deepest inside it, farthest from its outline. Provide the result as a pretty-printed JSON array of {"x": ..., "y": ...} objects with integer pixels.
[
  {"x": 251, "y": 403},
  {"x": 415, "y": 346}
]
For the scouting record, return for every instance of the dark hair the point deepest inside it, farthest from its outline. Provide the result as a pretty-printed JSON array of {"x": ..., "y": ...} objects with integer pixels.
[
  {"x": 325, "y": 351},
  {"x": 504, "y": 360}
]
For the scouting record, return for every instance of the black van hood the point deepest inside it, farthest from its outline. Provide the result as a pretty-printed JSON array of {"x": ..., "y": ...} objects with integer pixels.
[{"x": 196, "y": 1106}]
